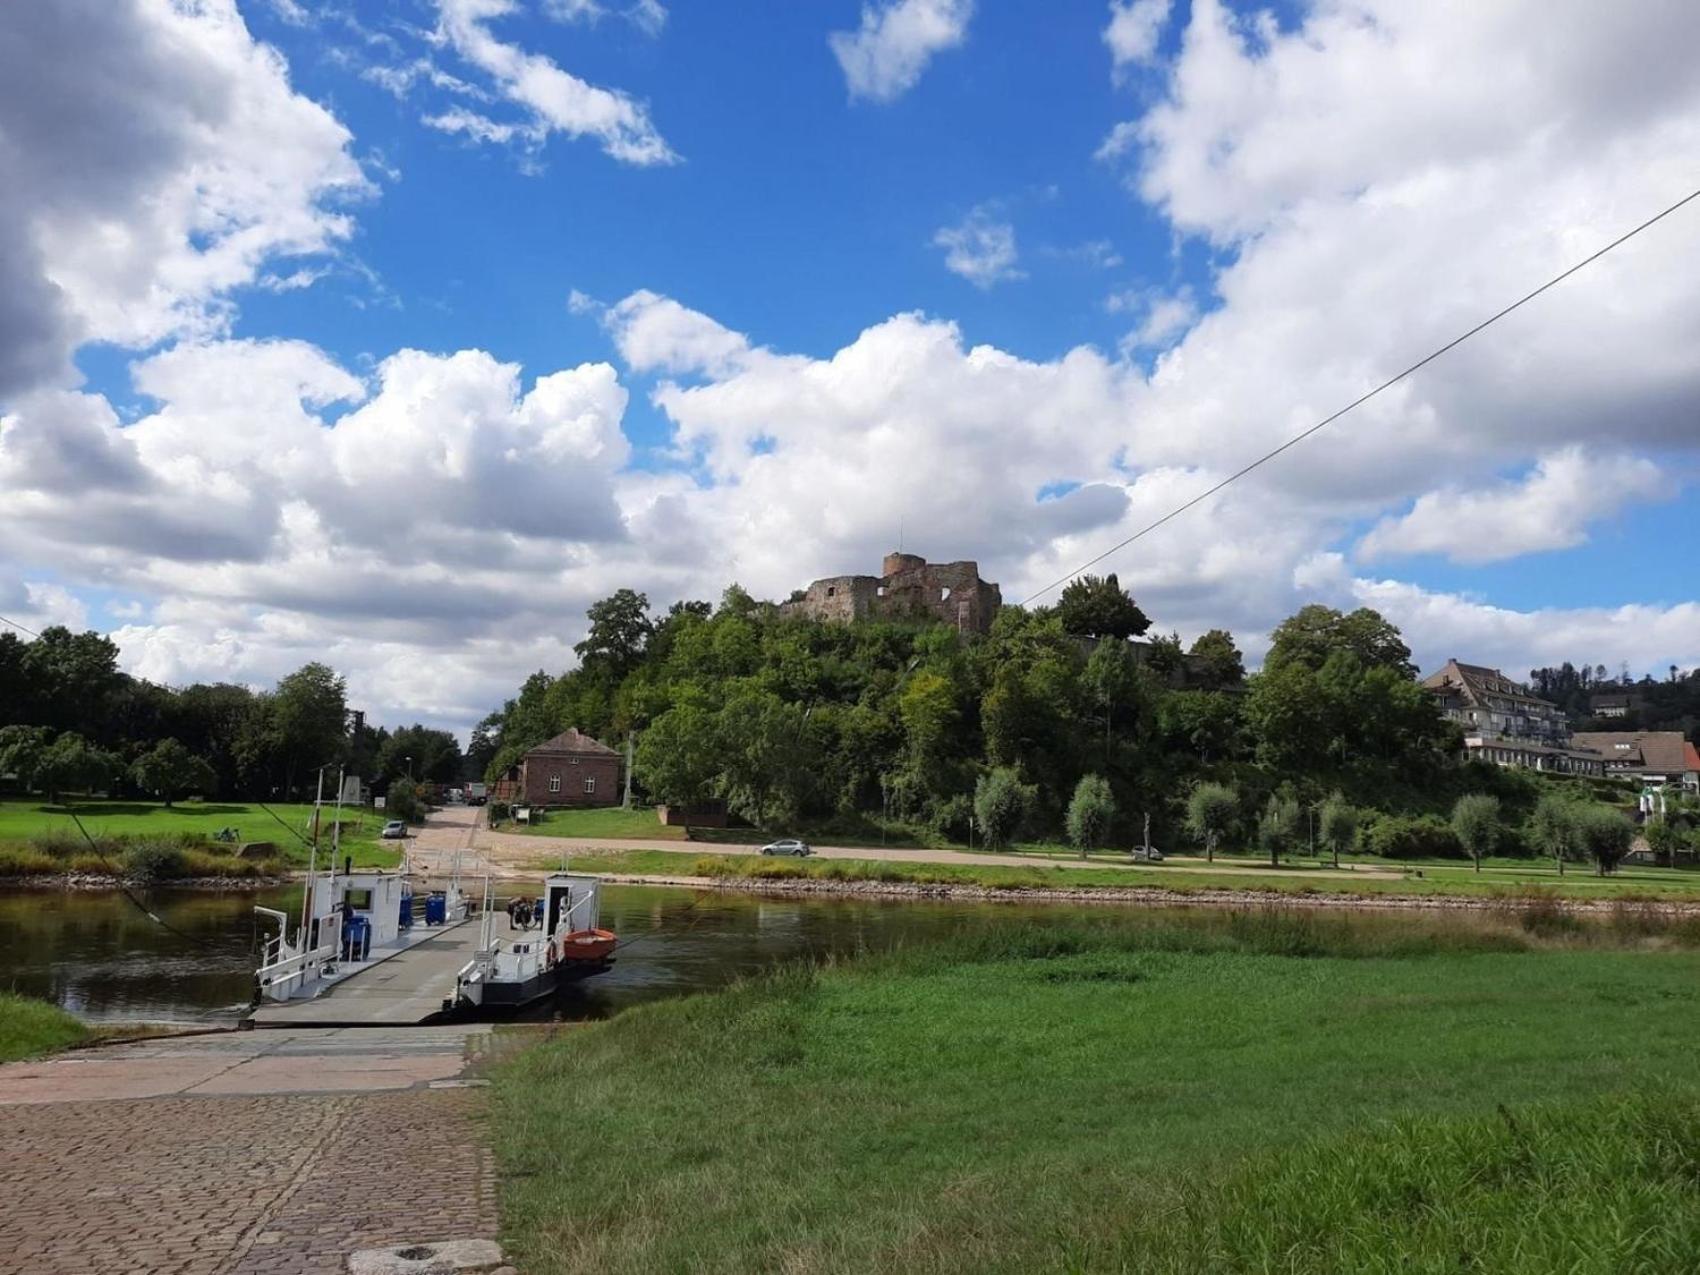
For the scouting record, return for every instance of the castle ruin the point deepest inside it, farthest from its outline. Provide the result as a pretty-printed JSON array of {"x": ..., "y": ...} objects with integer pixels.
[{"x": 909, "y": 588}]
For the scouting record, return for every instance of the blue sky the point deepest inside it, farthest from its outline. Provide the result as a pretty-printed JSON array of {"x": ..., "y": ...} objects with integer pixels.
[{"x": 747, "y": 348}]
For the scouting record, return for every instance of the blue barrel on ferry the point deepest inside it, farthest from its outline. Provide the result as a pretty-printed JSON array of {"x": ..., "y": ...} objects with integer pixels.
[
  {"x": 436, "y": 908},
  {"x": 406, "y": 917},
  {"x": 356, "y": 938}
]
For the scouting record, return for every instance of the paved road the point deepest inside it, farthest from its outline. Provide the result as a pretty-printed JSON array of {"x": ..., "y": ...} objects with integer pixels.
[
  {"x": 252, "y": 1153},
  {"x": 456, "y": 834}
]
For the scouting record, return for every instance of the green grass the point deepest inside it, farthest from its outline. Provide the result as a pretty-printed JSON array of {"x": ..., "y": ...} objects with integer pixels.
[
  {"x": 1256, "y": 1092},
  {"x": 36, "y": 837},
  {"x": 637, "y": 824},
  {"x": 31, "y": 1027},
  {"x": 1649, "y": 883}
]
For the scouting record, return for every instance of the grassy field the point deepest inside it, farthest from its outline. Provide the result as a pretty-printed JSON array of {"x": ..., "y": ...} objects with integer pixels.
[
  {"x": 1645, "y": 883},
  {"x": 1267, "y": 1092},
  {"x": 51, "y": 828},
  {"x": 613, "y": 822},
  {"x": 30, "y": 1027}
]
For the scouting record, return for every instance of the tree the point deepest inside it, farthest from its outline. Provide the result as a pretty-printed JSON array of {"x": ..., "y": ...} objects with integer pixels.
[
  {"x": 1215, "y": 661},
  {"x": 1094, "y": 606},
  {"x": 1316, "y": 632},
  {"x": 402, "y": 800},
  {"x": 1475, "y": 818},
  {"x": 1278, "y": 826},
  {"x": 170, "y": 770},
  {"x": 70, "y": 762},
  {"x": 435, "y": 755},
  {"x": 678, "y": 757},
  {"x": 1111, "y": 682},
  {"x": 1090, "y": 813},
  {"x": 1665, "y": 838},
  {"x": 1556, "y": 828},
  {"x": 619, "y": 628},
  {"x": 1204, "y": 722},
  {"x": 764, "y": 758},
  {"x": 1001, "y": 805},
  {"x": 1606, "y": 836},
  {"x": 310, "y": 717},
  {"x": 21, "y": 748},
  {"x": 1337, "y": 824},
  {"x": 1210, "y": 813}
]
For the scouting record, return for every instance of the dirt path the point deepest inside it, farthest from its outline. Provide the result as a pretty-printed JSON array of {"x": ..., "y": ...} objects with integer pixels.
[{"x": 251, "y": 1153}]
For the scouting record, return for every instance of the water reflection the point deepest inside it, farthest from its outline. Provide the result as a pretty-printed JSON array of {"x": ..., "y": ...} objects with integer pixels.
[{"x": 99, "y": 956}]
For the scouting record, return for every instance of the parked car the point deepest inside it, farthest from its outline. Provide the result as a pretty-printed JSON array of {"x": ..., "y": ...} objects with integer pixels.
[
  {"x": 788, "y": 845},
  {"x": 1147, "y": 854},
  {"x": 393, "y": 829}
]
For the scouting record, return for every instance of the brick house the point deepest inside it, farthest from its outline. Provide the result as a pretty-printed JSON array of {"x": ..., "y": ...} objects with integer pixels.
[
  {"x": 1506, "y": 724},
  {"x": 571, "y": 769}
]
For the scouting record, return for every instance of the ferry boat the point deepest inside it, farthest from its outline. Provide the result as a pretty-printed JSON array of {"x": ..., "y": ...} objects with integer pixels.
[
  {"x": 568, "y": 944},
  {"x": 352, "y": 921}
]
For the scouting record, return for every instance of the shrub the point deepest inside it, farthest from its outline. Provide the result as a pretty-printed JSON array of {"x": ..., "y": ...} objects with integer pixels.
[
  {"x": 1405, "y": 837},
  {"x": 1001, "y": 803},
  {"x": 1090, "y": 813},
  {"x": 154, "y": 861},
  {"x": 499, "y": 812}
]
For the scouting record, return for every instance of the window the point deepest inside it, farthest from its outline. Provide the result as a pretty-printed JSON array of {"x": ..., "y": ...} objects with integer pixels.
[
  {"x": 572, "y": 761},
  {"x": 831, "y": 591},
  {"x": 590, "y": 783},
  {"x": 554, "y": 783}
]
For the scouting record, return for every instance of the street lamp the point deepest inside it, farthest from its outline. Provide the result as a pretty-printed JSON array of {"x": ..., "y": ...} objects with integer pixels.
[{"x": 409, "y": 762}]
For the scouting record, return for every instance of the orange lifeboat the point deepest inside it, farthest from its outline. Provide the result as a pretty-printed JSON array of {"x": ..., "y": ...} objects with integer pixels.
[{"x": 588, "y": 946}]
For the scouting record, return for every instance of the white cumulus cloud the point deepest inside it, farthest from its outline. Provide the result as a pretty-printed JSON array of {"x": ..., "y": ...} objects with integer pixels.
[
  {"x": 980, "y": 248},
  {"x": 1549, "y": 508},
  {"x": 553, "y": 100},
  {"x": 884, "y": 58},
  {"x": 1133, "y": 31}
]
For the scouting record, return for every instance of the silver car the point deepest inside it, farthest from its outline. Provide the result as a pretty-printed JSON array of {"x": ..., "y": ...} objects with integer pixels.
[{"x": 788, "y": 845}]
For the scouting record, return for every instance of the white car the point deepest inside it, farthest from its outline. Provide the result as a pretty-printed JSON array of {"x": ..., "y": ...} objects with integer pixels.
[
  {"x": 1147, "y": 854},
  {"x": 393, "y": 829},
  {"x": 788, "y": 845}
]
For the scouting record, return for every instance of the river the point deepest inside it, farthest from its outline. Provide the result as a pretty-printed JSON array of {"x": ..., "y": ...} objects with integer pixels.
[{"x": 100, "y": 956}]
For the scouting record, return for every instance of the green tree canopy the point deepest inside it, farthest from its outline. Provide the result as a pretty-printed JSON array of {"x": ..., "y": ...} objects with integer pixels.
[
  {"x": 1475, "y": 818},
  {"x": 1316, "y": 632},
  {"x": 1098, "y": 606},
  {"x": 1001, "y": 805},
  {"x": 1607, "y": 836},
  {"x": 619, "y": 628},
  {"x": 1215, "y": 661},
  {"x": 1090, "y": 813},
  {"x": 1555, "y": 827},
  {"x": 1211, "y": 810},
  {"x": 1278, "y": 826},
  {"x": 435, "y": 753},
  {"x": 169, "y": 770},
  {"x": 1337, "y": 824}
]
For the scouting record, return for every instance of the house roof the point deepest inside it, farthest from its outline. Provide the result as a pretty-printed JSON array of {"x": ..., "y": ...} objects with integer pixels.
[
  {"x": 1662, "y": 751},
  {"x": 1476, "y": 681},
  {"x": 573, "y": 740}
]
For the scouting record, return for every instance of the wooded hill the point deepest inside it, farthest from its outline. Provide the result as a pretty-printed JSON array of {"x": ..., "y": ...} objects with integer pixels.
[{"x": 799, "y": 723}]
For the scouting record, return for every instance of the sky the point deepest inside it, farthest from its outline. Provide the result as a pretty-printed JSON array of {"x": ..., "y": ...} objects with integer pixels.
[{"x": 395, "y": 333}]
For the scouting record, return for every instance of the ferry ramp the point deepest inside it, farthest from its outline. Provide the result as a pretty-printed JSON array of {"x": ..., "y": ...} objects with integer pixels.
[{"x": 403, "y": 989}]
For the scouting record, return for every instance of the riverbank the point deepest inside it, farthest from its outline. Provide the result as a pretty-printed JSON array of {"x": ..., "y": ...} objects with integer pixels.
[
  {"x": 1171, "y": 896},
  {"x": 30, "y": 1028},
  {"x": 1149, "y": 1093},
  {"x": 104, "y": 881}
]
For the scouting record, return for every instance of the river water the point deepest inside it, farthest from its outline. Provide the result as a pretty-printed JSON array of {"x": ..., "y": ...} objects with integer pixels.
[{"x": 100, "y": 956}]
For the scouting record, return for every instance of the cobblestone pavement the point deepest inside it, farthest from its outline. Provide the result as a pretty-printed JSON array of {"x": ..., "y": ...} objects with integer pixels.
[{"x": 267, "y": 1183}]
